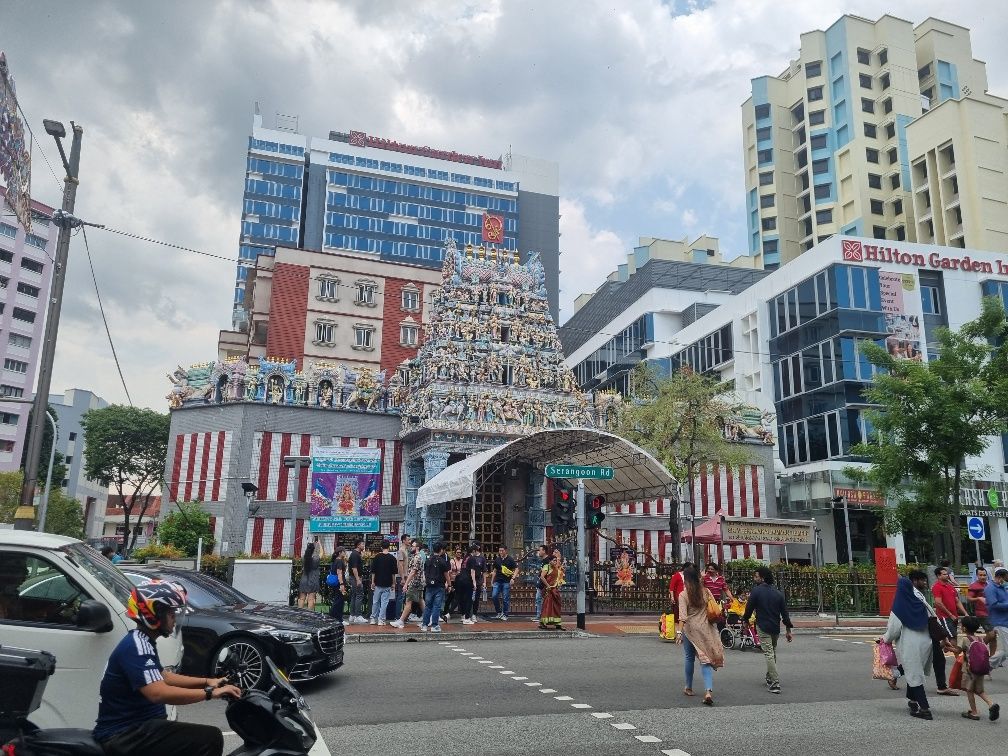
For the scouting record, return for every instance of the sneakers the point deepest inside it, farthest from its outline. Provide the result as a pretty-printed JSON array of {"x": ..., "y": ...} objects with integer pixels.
[
  {"x": 397, "y": 624},
  {"x": 498, "y": 615},
  {"x": 346, "y": 623},
  {"x": 446, "y": 616},
  {"x": 774, "y": 688},
  {"x": 473, "y": 620},
  {"x": 503, "y": 618},
  {"x": 413, "y": 618},
  {"x": 381, "y": 623},
  {"x": 424, "y": 628},
  {"x": 468, "y": 621},
  {"x": 995, "y": 712},
  {"x": 373, "y": 621},
  {"x": 436, "y": 629}
]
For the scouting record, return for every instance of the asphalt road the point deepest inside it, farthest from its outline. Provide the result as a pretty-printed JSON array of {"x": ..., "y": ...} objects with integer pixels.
[{"x": 538, "y": 696}]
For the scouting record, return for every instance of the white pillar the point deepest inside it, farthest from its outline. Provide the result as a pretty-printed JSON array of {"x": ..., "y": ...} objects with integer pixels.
[
  {"x": 998, "y": 528},
  {"x": 896, "y": 542}
]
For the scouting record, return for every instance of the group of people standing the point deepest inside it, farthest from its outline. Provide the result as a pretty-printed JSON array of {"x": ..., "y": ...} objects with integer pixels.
[{"x": 921, "y": 634}]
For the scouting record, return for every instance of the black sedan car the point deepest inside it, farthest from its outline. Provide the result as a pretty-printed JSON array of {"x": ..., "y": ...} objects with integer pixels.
[{"x": 304, "y": 644}]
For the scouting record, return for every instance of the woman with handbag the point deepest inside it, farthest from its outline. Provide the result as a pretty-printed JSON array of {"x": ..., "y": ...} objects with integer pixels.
[
  {"x": 698, "y": 633},
  {"x": 908, "y": 632}
]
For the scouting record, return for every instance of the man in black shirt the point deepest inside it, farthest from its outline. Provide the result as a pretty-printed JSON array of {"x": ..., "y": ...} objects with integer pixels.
[
  {"x": 355, "y": 577},
  {"x": 435, "y": 578},
  {"x": 383, "y": 572},
  {"x": 771, "y": 611},
  {"x": 543, "y": 559},
  {"x": 505, "y": 570},
  {"x": 476, "y": 566}
]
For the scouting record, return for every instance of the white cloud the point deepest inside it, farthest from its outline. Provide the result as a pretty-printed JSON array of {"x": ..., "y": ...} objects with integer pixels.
[{"x": 587, "y": 255}]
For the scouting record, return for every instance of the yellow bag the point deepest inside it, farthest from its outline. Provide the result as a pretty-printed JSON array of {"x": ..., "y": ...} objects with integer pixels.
[{"x": 666, "y": 626}]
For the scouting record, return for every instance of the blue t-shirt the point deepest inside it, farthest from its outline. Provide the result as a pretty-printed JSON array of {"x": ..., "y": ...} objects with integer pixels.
[{"x": 133, "y": 664}]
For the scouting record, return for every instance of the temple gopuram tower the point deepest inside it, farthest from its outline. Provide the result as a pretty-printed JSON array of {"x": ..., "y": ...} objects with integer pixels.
[{"x": 490, "y": 370}]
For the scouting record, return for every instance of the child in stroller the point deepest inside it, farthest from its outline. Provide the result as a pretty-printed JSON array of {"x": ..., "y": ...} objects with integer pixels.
[{"x": 733, "y": 634}]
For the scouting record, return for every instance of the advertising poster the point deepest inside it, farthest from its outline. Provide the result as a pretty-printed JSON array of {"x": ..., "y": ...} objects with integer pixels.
[
  {"x": 345, "y": 490},
  {"x": 904, "y": 341}
]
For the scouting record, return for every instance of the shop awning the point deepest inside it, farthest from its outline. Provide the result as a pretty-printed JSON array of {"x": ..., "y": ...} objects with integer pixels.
[{"x": 637, "y": 475}]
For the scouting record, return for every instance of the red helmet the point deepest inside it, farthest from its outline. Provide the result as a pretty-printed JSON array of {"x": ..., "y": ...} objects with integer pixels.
[{"x": 148, "y": 603}]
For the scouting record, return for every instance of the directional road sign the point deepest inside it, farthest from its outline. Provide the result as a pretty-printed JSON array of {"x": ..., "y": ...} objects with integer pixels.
[
  {"x": 975, "y": 526},
  {"x": 587, "y": 472}
]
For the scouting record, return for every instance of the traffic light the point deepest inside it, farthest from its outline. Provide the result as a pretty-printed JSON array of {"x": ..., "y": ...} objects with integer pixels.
[
  {"x": 562, "y": 514},
  {"x": 595, "y": 513}
]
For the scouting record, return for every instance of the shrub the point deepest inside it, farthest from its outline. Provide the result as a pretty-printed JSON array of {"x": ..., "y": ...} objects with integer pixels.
[{"x": 157, "y": 551}]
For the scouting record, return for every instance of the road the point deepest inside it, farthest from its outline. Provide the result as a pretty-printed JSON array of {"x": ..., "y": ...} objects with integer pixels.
[{"x": 623, "y": 695}]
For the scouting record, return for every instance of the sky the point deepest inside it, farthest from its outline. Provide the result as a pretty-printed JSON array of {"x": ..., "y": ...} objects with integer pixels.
[{"x": 639, "y": 101}]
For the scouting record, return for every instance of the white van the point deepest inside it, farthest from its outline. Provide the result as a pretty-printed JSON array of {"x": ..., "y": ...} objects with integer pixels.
[{"x": 60, "y": 595}]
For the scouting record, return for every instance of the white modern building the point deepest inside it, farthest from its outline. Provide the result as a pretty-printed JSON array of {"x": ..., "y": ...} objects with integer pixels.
[
  {"x": 791, "y": 339},
  {"x": 70, "y": 407}
]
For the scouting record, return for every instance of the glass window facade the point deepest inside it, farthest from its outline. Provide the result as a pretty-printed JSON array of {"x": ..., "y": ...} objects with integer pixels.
[{"x": 609, "y": 366}]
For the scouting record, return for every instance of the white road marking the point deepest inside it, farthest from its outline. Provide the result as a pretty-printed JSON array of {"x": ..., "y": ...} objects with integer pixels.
[
  {"x": 519, "y": 677},
  {"x": 623, "y": 726},
  {"x": 466, "y": 653},
  {"x": 444, "y": 643},
  {"x": 564, "y": 698},
  {"x": 506, "y": 671},
  {"x": 486, "y": 661},
  {"x": 675, "y": 752},
  {"x": 647, "y": 739},
  {"x": 581, "y": 706},
  {"x": 476, "y": 658},
  {"x": 602, "y": 715},
  {"x": 533, "y": 684},
  {"x": 547, "y": 690},
  {"x": 497, "y": 666}
]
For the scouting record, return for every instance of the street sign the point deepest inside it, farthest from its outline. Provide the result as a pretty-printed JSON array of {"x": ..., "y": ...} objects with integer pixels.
[
  {"x": 586, "y": 472},
  {"x": 975, "y": 526}
]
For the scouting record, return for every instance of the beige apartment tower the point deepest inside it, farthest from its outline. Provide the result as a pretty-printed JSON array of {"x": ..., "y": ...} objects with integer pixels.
[{"x": 829, "y": 144}]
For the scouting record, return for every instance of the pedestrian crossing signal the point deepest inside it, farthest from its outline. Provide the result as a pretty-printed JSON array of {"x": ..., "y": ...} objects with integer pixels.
[{"x": 596, "y": 514}]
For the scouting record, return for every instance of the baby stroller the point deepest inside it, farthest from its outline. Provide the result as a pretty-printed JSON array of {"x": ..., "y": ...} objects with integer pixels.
[{"x": 734, "y": 634}]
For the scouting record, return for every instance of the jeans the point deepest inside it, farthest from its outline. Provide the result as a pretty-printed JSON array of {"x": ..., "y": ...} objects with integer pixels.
[
  {"x": 336, "y": 607},
  {"x": 1002, "y": 646},
  {"x": 502, "y": 594},
  {"x": 769, "y": 644},
  {"x": 357, "y": 599},
  {"x": 690, "y": 655},
  {"x": 433, "y": 600},
  {"x": 539, "y": 602},
  {"x": 400, "y": 597},
  {"x": 379, "y": 602}
]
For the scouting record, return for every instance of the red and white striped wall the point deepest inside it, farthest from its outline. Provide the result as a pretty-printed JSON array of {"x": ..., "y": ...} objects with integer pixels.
[
  {"x": 268, "y": 535},
  {"x": 198, "y": 464},
  {"x": 276, "y": 482},
  {"x": 735, "y": 492}
]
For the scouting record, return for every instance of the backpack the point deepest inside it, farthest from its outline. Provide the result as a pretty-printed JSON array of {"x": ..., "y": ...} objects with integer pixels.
[
  {"x": 979, "y": 658},
  {"x": 434, "y": 569}
]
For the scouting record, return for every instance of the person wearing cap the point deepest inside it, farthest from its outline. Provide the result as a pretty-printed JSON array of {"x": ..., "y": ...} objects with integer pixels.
[{"x": 996, "y": 594}]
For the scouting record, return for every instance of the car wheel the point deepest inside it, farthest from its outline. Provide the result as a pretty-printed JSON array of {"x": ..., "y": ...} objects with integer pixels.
[{"x": 250, "y": 659}]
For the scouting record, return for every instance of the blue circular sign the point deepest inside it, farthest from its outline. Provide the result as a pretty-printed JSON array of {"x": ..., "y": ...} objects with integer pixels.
[{"x": 975, "y": 526}]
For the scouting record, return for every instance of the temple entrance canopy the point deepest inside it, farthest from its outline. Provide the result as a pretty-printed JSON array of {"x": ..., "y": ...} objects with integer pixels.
[{"x": 637, "y": 474}]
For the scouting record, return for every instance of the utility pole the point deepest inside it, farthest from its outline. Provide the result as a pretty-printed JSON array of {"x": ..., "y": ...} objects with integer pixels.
[
  {"x": 24, "y": 518},
  {"x": 582, "y": 561}
]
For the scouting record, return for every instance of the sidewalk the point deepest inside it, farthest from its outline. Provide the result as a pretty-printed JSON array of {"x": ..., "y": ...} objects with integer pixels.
[{"x": 595, "y": 624}]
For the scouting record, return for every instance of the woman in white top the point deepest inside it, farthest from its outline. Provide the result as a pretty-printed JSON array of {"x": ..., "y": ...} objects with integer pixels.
[{"x": 908, "y": 632}]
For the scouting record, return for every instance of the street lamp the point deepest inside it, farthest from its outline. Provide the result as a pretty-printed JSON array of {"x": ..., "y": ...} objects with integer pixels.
[
  {"x": 250, "y": 489},
  {"x": 296, "y": 463}
]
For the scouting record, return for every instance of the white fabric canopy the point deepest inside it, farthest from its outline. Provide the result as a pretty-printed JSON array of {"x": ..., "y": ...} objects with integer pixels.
[{"x": 637, "y": 475}]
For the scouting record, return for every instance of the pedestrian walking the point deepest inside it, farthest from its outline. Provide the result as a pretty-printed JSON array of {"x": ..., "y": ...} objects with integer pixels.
[
  {"x": 551, "y": 577},
  {"x": 355, "y": 577},
  {"x": 698, "y": 636},
  {"x": 310, "y": 581},
  {"x": 464, "y": 590},
  {"x": 383, "y": 571},
  {"x": 414, "y": 584},
  {"x": 477, "y": 564},
  {"x": 337, "y": 567},
  {"x": 505, "y": 570},
  {"x": 978, "y": 603},
  {"x": 976, "y": 666},
  {"x": 435, "y": 579},
  {"x": 451, "y": 603},
  {"x": 907, "y": 630},
  {"x": 947, "y": 607},
  {"x": 771, "y": 611},
  {"x": 714, "y": 582},
  {"x": 996, "y": 595},
  {"x": 543, "y": 559},
  {"x": 402, "y": 559}
]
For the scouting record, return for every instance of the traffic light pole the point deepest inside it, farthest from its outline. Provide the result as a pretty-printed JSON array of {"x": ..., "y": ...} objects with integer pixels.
[{"x": 582, "y": 567}]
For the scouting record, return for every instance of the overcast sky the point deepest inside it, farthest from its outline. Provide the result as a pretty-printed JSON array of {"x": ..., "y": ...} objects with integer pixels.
[{"x": 637, "y": 100}]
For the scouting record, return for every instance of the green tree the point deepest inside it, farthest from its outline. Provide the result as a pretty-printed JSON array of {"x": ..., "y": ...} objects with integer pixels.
[
  {"x": 184, "y": 527},
  {"x": 680, "y": 420},
  {"x": 930, "y": 418},
  {"x": 10, "y": 494},
  {"x": 64, "y": 515},
  {"x": 125, "y": 448}
]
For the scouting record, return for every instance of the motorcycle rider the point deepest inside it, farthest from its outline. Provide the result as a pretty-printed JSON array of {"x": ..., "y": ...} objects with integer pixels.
[{"x": 132, "y": 718}]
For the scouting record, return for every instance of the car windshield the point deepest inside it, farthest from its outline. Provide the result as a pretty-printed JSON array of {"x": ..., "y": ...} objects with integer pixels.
[
  {"x": 101, "y": 569},
  {"x": 202, "y": 592}
]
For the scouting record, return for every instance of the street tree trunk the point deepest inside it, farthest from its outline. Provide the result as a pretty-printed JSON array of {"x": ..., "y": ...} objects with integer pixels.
[{"x": 954, "y": 530}]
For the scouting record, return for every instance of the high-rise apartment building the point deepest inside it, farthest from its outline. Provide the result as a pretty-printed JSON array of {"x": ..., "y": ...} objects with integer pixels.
[
  {"x": 70, "y": 407},
  {"x": 25, "y": 274},
  {"x": 355, "y": 193},
  {"x": 826, "y": 142}
]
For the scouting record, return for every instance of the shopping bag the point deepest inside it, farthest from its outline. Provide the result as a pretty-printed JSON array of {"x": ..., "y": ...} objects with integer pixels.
[
  {"x": 955, "y": 676},
  {"x": 666, "y": 627},
  {"x": 879, "y": 670},
  {"x": 887, "y": 654}
]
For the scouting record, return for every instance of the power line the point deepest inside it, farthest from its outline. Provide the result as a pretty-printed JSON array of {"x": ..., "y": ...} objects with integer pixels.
[{"x": 101, "y": 309}]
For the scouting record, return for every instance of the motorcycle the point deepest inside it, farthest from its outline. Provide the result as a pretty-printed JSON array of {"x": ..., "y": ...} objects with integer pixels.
[{"x": 271, "y": 723}]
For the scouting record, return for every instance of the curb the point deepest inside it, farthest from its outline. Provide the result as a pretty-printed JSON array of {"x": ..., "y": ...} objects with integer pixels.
[{"x": 463, "y": 636}]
